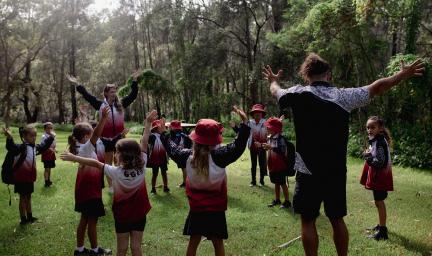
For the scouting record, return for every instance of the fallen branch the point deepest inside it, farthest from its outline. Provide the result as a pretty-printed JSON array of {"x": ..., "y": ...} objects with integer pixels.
[{"x": 289, "y": 242}]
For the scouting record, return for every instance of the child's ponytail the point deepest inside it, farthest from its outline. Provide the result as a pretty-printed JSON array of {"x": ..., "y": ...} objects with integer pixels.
[
  {"x": 72, "y": 144},
  {"x": 200, "y": 159},
  {"x": 79, "y": 131}
]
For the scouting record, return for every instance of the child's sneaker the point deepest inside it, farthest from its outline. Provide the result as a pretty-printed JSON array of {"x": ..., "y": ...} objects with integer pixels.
[
  {"x": 381, "y": 234},
  {"x": 274, "y": 203},
  {"x": 100, "y": 252},
  {"x": 32, "y": 219},
  {"x": 85, "y": 252},
  {"x": 153, "y": 191},
  {"x": 286, "y": 204},
  {"x": 166, "y": 190},
  {"x": 373, "y": 229}
]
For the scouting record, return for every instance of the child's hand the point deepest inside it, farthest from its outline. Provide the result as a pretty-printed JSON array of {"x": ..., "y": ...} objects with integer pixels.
[
  {"x": 105, "y": 112},
  {"x": 7, "y": 132},
  {"x": 282, "y": 117},
  {"x": 266, "y": 146},
  {"x": 270, "y": 76},
  {"x": 67, "y": 156},
  {"x": 151, "y": 116},
  {"x": 135, "y": 75},
  {"x": 241, "y": 113},
  {"x": 73, "y": 79},
  {"x": 125, "y": 131},
  {"x": 257, "y": 144}
]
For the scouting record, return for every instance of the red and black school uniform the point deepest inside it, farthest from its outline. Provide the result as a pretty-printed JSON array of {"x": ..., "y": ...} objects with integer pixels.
[
  {"x": 258, "y": 134},
  {"x": 181, "y": 140},
  {"x": 89, "y": 184},
  {"x": 130, "y": 202},
  {"x": 158, "y": 158},
  {"x": 377, "y": 171},
  {"x": 23, "y": 157},
  {"x": 208, "y": 197},
  {"x": 278, "y": 160},
  {"x": 114, "y": 125},
  {"x": 48, "y": 156},
  {"x": 321, "y": 114}
]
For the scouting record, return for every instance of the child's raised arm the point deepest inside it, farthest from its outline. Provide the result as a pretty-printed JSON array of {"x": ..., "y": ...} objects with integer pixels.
[
  {"x": 10, "y": 144},
  {"x": 147, "y": 127},
  {"x": 66, "y": 156},
  {"x": 99, "y": 127}
]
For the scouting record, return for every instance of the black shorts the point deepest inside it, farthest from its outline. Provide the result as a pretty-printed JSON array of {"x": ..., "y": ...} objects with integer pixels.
[
  {"x": 128, "y": 227},
  {"x": 208, "y": 224},
  {"x": 109, "y": 144},
  {"x": 379, "y": 195},
  {"x": 91, "y": 208},
  {"x": 278, "y": 178},
  {"x": 49, "y": 164},
  {"x": 311, "y": 191},
  {"x": 24, "y": 188},
  {"x": 163, "y": 168}
]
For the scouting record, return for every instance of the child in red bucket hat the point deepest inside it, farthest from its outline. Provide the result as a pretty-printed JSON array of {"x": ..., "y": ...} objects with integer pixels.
[
  {"x": 182, "y": 140},
  {"x": 258, "y": 134},
  {"x": 280, "y": 159},
  {"x": 206, "y": 181},
  {"x": 158, "y": 158}
]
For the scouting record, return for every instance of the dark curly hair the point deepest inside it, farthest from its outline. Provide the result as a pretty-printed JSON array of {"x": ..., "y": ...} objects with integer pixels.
[
  {"x": 130, "y": 154},
  {"x": 313, "y": 66}
]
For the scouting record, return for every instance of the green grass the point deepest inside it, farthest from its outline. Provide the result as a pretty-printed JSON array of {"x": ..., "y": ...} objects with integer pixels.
[{"x": 253, "y": 228}]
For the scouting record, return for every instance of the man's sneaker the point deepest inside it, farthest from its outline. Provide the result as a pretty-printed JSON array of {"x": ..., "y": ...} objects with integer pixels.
[
  {"x": 274, "y": 203},
  {"x": 373, "y": 229},
  {"x": 153, "y": 191},
  {"x": 85, "y": 252},
  {"x": 252, "y": 184},
  {"x": 166, "y": 190},
  {"x": 182, "y": 185},
  {"x": 286, "y": 204},
  {"x": 381, "y": 234},
  {"x": 262, "y": 182},
  {"x": 101, "y": 252}
]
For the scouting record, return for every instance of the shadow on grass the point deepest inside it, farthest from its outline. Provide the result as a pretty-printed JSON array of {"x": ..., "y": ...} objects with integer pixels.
[
  {"x": 414, "y": 246},
  {"x": 48, "y": 191}
]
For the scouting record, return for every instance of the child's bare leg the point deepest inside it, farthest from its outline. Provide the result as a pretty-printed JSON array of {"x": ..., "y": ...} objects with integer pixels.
[
  {"x": 47, "y": 174},
  {"x": 277, "y": 191},
  {"x": 28, "y": 204},
  {"x": 382, "y": 213},
  {"x": 81, "y": 231},
  {"x": 23, "y": 206},
  {"x": 219, "y": 247},
  {"x": 135, "y": 243},
  {"x": 193, "y": 245},
  {"x": 285, "y": 192},
  {"x": 154, "y": 176},
  {"x": 92, "y": 231},
  {"x": 165, "y": 178},
  {"x": 122, "y": 243}
]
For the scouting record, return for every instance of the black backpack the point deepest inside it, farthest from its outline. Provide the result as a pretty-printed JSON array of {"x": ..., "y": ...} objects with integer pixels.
[
  {"x": 290, "y": 157},
  {"x": 8, "y": 167}
]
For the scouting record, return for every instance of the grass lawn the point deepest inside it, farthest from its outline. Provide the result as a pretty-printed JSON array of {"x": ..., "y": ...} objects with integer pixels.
[{"x": 253, "y": 228}]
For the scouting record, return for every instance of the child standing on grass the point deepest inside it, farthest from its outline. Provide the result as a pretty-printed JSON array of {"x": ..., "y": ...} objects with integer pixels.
[
  {"x": 89, "y": 184},
  {"x": 377, "y": 171},
  {"x": 131, "y": 203},
  {"x": 206, "y": 182},
  {"x": 280, "y": 159},
  {"x": 21, "y": 159},
  {"x": 258, "y": 134},
  {"x": 158, "y": 158},
  {"x": 49, "y": 157},
  {"x": 182, "y": 140}
]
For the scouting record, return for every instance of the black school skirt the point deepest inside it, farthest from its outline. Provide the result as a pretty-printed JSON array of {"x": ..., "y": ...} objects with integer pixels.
[{"x": 208, "y": 224}]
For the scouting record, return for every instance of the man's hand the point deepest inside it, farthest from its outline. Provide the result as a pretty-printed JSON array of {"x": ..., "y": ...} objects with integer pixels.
[
  {"x": 414, "y": 69},
  {"x": 270, "y": 76},
  {"x": 135, "y": 75}
]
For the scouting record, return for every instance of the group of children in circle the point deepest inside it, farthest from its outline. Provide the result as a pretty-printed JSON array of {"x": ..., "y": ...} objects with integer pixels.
[{"x": 199, "y": 155}]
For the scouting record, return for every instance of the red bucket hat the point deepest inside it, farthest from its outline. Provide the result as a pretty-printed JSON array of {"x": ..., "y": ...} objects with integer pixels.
[
  {"x": 175, "y": 125},
  {"x": 155, "y": 124},
  {"x": 257, "y": 108},
  {"x": 274, "y": 124},
  {"x": 207, "y": 132}
]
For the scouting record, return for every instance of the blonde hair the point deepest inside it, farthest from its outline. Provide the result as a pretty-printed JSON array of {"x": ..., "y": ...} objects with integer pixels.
[{"x": 200, "y": 159}]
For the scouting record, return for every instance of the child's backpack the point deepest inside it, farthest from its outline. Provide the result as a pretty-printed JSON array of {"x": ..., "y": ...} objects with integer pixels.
[
  {"x": 8, "y": 167},
  {"x": 290, "y": 157}
]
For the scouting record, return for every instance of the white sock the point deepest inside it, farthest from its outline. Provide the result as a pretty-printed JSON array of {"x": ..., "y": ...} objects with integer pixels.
[
  {"x": 80, "y": 249},
  {"x": 96, "y": 249}
]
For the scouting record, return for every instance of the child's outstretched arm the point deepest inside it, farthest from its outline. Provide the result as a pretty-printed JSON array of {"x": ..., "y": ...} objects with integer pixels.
[
  {"x": 147, "y": 128},
  {"x": 45, "y": 144},
  {"x": 382, "y": 85},
  {"x": 99, "y": 127},
  {"x": 178, "y": 154},
  {"x": 67, "y": 156},
  {"x": 228, "y": 154}
]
